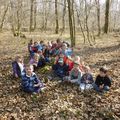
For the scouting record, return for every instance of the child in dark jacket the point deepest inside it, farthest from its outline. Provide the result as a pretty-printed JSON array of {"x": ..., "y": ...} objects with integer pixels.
[
  {"x": 42, "y": 61},
  {"x": 30, "y": 82},
  {"x": 102, "y": 82},
  {"x": 30, "y": 47},
  {"x": 60, "y": 69},
  {"x": 18, "y": 66},
  {"x": 86, "y": 80},
  {"x": 46, "y": 53}
]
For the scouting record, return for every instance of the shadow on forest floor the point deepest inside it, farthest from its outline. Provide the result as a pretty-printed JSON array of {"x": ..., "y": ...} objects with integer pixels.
[{"x": 91, "y": 50}]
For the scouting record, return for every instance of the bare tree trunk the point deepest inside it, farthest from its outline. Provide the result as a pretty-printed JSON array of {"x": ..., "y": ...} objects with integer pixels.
[
  {"x": 35, "y": 13},
  {"x": 12, "y": 17},
  {"x": 86, "y": 22},
  {"x": 107, "y": 16},
  {"x": 56, "y": 13},
  {"x": 18, "y": 23},
  {"x": 31, "y": 16},
  {"x": 18, "y": 17},
  {"x": 71, "y": 22},
  {"x": 79, "y": 22},
  {"x": 63, "y": 17},
  {"x": 3, "y": 18},
  {"x": 98, "y": 16}
]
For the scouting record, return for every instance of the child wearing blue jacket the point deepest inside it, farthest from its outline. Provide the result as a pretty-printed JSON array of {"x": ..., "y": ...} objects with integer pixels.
[
  {"x": 60, "y": 69},
  {"x": 30, "y": 82}
]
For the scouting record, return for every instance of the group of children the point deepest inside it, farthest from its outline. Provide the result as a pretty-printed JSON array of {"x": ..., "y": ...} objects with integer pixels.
[{"x": 66, "y": 66}]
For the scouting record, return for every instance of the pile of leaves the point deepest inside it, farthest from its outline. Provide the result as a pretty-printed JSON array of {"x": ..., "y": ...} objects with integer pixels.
[{"x": 61, "y": 101}]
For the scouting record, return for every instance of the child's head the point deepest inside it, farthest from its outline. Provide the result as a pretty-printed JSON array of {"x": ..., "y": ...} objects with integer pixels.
[
  {"x": 19, "y": 59},
  {"x": 31, "y": 41},
  {"x": 36, "y": 57},
  {"x": 61, "y": 61},
  {"x": 35, "y": 43},
  {"x": 39, "y": 52},
  {"x": 61, "y": 55},
  {"x": 103, "y": 72},
  {"x": 87, "y": 69},
  {"x": 76, "y": 64},
  {"x": 77, "y": 58},
  {"x": 28, "y": 69},
  {"x": 64, "y": 46},
  {"x": 58, "y": 40},
  {"x": 41, "y": 42},
  {"x": 49, "y": 44},
  {"x": 52, "y": 42}
]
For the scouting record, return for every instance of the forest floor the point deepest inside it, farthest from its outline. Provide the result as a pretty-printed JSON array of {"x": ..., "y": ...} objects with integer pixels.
[{"x": 60, "y": 101}]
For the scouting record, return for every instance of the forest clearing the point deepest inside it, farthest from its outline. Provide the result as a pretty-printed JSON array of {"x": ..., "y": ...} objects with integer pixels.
[
  {"x": 59, "y": 59},
  {"x": 60, "y": 101}
]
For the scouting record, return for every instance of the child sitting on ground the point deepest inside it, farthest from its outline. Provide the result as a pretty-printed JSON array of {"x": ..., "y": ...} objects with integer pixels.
[
  {"x": 81, "y": 65},
  {"x": 60, "y": 69},
  {"x": 86, "y": 80},
  {"x": 18, "y": 66},
  {"x": 42, "y": 61},
  {"x": 102, "y": 82},
  {"x": 36, "y": 47},
  {"x": 46, "y": 53},
  {"x": 34, "y": 61},
  {"x": 30, "y": 46},
  {"x": 30, "y": 82},
  {"x": 61, "y": 55},
  {"x": 75, "y": 74}
]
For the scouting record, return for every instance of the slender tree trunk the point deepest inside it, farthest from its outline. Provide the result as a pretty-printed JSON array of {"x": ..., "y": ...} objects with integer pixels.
[
  {"x": 3, "y": 18},
  {"x": 107, "y": 16},
  {"x": 35, "y": 14},
  {"x": 86, "y": 22},
  {"x": 79, "y": 22},
  {"x": 31, "y": 16},
  {"x": 98, "y": 16},
  {"x": 71, "y": 21},
  {"x": 63, "y": 17},
  {"x": 18, "y": 23},
  {"x": 56, "y": 14}
]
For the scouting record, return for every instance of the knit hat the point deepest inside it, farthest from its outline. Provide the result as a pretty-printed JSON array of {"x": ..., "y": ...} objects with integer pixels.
[{"x": 61, "y": 60}]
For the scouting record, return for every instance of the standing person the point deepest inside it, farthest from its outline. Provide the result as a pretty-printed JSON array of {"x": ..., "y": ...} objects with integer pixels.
[{"x": 102, "y": 82}]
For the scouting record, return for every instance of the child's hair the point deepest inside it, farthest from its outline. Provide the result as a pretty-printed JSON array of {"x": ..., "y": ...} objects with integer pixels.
[
  {"x": 77, "y": 58},
  {"x": 18, "y": 57},
  {"x": 104, "y": 70},
  {"x": 36, "y": 55},
  {"x": 41, "y": 42},
  {"x": 87, "y": 67},
  {"x": 31, "y": 40},
  {"x": 58, "y": 40},
  {"x": 35, "y": 42},
  {"x": 29, "y": 66}
]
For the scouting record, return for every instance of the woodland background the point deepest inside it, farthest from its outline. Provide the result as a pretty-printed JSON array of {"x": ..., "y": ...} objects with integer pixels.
[{"x": 93, "y": 29}]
